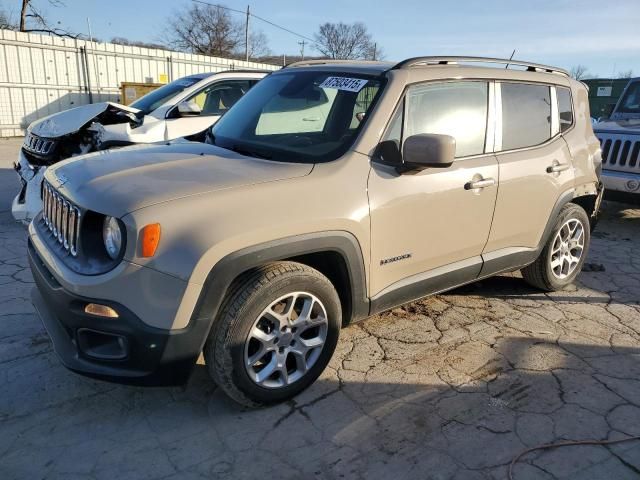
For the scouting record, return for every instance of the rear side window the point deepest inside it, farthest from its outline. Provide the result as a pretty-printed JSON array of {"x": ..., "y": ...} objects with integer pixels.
[
  {"x": 526, "y": 115},
  {"x": 564, "y": 108},
  {"x": 363, "y": 102},
  {"x": 458, "y": 109}
]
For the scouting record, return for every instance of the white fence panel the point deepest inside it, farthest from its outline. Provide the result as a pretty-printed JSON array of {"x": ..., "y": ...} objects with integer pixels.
[{"x": 41, "y": 74}]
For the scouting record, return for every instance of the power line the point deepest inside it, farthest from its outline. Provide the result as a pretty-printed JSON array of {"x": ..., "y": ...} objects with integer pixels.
[{"x": 261, "y": 19}]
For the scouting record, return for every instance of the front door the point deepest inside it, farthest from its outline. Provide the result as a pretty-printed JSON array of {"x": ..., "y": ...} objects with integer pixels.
[{"x": 429, "y": 228}]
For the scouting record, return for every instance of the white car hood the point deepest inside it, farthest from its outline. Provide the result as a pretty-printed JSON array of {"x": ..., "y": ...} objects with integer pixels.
[{"x": 70, "y": 121}]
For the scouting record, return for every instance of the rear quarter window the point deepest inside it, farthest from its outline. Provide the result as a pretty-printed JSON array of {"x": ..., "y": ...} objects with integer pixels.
[
  {"x": 565, "y": 109},
  {"x": 526, "y": 115}
]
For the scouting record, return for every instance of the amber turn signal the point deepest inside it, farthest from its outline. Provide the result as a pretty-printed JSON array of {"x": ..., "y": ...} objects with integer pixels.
[
  {"x": 150, "y": 237},
  {"x": 100, "y": 310}
]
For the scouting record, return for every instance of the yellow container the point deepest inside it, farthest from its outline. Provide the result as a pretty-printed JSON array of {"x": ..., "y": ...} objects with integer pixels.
[{"x": 131, "y": 91}]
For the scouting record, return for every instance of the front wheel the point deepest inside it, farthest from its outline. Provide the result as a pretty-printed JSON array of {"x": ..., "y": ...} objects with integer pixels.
[
  {"x": 276, "y": 332},
  {"x": 564, "y": 253}
]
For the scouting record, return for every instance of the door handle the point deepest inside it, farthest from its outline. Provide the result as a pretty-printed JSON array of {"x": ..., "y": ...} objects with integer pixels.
[
  {"x": 557, "y": 167},
  {"x": 477, "y": 184}
]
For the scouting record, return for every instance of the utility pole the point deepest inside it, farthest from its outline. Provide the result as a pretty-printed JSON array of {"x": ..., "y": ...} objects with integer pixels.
[
  {"x": 246, "y": 36},
  {"x": 302, "y": 44},
  {"x": 375, "y": 47},
  {"x": 23, "y": 15}
]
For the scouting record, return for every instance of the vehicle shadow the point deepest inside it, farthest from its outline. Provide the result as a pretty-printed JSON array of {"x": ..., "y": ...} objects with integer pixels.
[
  {"x": 611, "y": 273},
  {"x": 428, "y": 414}
]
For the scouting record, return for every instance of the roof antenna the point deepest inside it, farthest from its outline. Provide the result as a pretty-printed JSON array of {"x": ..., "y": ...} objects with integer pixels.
[{"x": 510, "y": 58}]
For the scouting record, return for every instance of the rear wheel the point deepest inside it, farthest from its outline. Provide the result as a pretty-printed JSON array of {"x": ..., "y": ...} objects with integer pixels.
[
  {"x": 276, "y": 332},
  {"x": 562, "y": 257}
]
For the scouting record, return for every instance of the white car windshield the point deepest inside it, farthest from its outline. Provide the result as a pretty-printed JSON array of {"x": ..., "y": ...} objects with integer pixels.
[
  {"x": 152, "y": 100},
  {"x": 631, "y": 101},
  {"x": 299, "y": 116}
]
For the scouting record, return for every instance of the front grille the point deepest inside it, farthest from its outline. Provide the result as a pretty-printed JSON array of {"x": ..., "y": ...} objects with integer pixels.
[
  {"x": 61, "y": 217},
  {"x": 38, "y": 145},
  {"x": 620, "y": 152}
]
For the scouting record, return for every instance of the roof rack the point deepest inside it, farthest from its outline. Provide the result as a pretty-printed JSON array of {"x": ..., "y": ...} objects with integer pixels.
[
  {"x": 531, "y": 67},
  {"x": 303, "y": 63},
  {"x": 244, "y": 70}
]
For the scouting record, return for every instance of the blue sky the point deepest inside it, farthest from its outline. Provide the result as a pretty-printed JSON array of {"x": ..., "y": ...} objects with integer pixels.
[{"x": 603, "y": 35}]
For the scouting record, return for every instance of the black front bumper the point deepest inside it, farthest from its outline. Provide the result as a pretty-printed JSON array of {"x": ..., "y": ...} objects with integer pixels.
[{"x": 123, "y": 349}]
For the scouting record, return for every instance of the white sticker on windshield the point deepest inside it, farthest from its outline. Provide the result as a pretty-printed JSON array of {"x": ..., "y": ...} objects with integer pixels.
[{"x": 344, "y": 83}]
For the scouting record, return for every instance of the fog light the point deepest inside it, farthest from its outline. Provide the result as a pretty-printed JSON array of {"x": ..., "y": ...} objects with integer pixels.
[
  {"x": 632, "y": 185},
  {"x": 100, "y": 310}
]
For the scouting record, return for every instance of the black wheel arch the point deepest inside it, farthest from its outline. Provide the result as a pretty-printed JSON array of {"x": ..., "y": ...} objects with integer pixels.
[{"x": 336, "y": 254}]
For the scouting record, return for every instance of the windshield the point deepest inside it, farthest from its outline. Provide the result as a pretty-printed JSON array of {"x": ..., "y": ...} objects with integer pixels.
[
  {"x": 631, "y": 100},
  {"x": 299, "y": 116},
  {"x": 152, "y": 100}
]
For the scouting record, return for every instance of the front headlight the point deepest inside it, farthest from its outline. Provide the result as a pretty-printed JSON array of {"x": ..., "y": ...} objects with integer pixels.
[{"x": 112, "y": 237}]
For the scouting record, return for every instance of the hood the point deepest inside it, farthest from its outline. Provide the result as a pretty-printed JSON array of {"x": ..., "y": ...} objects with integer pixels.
[
  {"x": 70, "y": 121},
  {"x": 631, "y": 126},
  {"x": 117, "y": 182}
]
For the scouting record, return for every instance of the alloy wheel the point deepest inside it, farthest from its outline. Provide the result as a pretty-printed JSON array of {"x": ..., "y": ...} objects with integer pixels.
[
  {"x": 286, "y": 340},
  {"x": 567, "y": 248}
]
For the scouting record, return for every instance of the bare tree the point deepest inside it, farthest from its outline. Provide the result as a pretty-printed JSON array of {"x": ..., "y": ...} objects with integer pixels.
[
  {"x": 258, "y": 46},
  {"x": 579, "y": 72},
  {"x": 625, "y": 74},
  {"x": 136, "y": 43},
  {"x": 345, "y": 41},
  {"x": 40, "y": 24},
  {"x": 374, "y": 52},
  {"x": 5, "y": 21},
  {"x": 207, "y": 30},
  {"x": 211, "y": 30}
]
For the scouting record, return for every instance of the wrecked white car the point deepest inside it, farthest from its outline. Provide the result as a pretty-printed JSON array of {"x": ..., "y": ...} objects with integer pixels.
[{"x": 181, "y": 108}]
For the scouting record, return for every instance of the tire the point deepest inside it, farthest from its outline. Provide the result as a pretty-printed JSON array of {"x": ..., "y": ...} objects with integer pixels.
[
  {"x": 541, "y": 274},
  {"x": 259, "y": 300}
]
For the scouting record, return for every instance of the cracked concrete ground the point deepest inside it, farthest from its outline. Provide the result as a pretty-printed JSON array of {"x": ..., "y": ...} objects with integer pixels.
[{"x": 453, "y": 386}]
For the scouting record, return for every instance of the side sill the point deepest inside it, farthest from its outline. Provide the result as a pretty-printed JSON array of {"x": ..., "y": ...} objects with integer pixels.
[
  {"x": 427, "y": 283},
  {"x": 508, "y": 259}
]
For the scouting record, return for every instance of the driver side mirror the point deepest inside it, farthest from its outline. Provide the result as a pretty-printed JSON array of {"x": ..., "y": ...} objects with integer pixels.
[
  {"x": 189, "y": 109},
  {"x": 428, "y": 150}
]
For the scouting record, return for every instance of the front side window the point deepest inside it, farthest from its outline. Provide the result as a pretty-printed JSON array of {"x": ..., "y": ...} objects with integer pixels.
[
  {"x": 565, "y": 109},
  {"x": 458, "y": 109},
  {"x": 216, "y": 99},
  {"x": 526, "y": 115},
  {"x": 299, "y": 116}
]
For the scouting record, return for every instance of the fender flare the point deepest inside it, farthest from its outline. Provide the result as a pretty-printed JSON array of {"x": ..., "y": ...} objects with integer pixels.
[
  {"x": 225, "y": 271},
  {"x": 565, "y": 197}
]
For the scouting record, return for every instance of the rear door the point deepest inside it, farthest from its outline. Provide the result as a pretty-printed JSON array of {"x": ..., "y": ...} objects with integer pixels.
[
  {"x": 535, "y": 166},
  {"x": 428, "y": 228}
]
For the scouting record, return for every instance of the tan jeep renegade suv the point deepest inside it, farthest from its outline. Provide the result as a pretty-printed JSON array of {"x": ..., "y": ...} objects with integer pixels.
[{"x": 330, "y": 192}]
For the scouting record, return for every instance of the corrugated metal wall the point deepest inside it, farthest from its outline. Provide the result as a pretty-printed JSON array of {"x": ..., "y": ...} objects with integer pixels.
[{"x": 41, "y": 74}]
